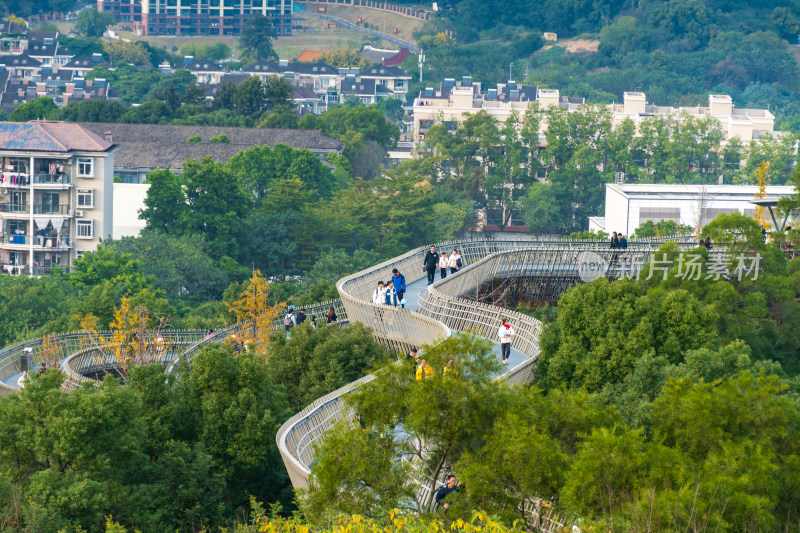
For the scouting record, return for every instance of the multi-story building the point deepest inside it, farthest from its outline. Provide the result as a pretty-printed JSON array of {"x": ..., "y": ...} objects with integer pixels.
[
  {"x": 453, "y": 100},
  {"x": 197, "y": 17},
  {"x": 56, "y": 188}
]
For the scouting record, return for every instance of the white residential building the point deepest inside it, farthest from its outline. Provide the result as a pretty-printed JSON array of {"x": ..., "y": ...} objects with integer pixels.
[{"x": 453, "y": 100}]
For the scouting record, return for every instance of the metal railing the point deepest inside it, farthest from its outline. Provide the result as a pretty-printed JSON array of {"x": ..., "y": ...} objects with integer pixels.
[
  {"x": 442, "y": 308},
  {"x": 51, "y": 179}
]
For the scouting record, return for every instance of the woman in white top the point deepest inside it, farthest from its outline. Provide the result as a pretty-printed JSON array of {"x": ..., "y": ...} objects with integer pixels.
[
  {"x": 506, "y": 334},
  {"x": 444, "y": 262},
  {"x": 22, "y": 379},
  {"x": 454, "y": 260}
]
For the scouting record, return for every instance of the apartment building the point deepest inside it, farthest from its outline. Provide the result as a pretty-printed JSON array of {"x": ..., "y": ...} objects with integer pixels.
[
  {"x": 56, "y": 188},
  {"x": 197, "y": 17},
  {"x": 450, "y": 102},
  {"x": 746, "y": 124}
]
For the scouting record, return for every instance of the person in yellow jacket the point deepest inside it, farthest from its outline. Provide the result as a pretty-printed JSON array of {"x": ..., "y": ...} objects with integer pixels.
[{"x": 424, "y": 370}]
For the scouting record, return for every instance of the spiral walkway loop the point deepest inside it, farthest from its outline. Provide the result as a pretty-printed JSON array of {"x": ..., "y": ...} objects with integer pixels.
[{"x": 442, "y": 308}]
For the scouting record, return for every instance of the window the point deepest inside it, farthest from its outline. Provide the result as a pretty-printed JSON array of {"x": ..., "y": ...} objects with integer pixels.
[
  {"x": 85, "y": 167},
  {"x": 86, "y": 198},
  {"x": 85, "y": 229}
]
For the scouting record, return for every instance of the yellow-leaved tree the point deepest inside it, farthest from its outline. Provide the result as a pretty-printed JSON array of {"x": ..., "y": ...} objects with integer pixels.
[
  {"x": 130, "y": 341},
  {"x": 257, "y": 314},
  {"x": 762, "y": 180}
]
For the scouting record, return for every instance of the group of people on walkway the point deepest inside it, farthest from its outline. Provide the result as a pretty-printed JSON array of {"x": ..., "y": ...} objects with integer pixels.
[
  {"x": 391, "y": 292},
  {"x": 618, "y": 241},
  {"x": 444, "y": 261}
]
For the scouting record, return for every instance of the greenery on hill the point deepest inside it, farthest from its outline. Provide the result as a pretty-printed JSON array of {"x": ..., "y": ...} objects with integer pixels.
[{"x": 164, "y": 453}]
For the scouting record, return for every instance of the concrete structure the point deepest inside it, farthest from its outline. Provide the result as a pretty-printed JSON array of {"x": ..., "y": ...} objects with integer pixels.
[
  {"x": 197, "y": 17},
  {"x": 56, "y": 190},
  {"x": 629, "y": 206},
  {"x": 128, "y": 200}
]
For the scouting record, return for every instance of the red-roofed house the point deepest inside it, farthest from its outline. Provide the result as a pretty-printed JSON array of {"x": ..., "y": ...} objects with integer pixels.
[{"x": 309, "y": 56}]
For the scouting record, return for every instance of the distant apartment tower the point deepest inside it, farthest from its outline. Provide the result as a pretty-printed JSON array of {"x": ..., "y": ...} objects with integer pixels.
[{"x": 197, "y": 17}]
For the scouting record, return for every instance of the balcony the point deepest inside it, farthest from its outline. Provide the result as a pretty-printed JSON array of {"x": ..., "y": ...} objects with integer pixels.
[
  {"x": 47, "y": 209},
  {"x": 13, "y": 180},
  {"x": 15, "y": 208},
  {"x": 51, "y": 179},
  {"x": 46, "y": 243}
]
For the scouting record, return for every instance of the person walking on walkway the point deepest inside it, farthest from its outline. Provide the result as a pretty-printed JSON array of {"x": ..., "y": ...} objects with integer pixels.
[
  {"x": 379, "y": 294},
  {"x": 614, "y": 240},
  {"x": 289, "y": 320},
  {"x": 399, "y": 282},
  {"x": 506, "y": 334},
  {"x": 391, "y": 294},
  {"x": 430, "y": 263},
  {"x": 301, "y": 316},
  {"x": 24, "y": 379},
  {"x": 455, "y": 261},
  {"x": 623, "y": 242},
  {"x": 444, "y": 263},
  {"x": 332, "y": 315}
]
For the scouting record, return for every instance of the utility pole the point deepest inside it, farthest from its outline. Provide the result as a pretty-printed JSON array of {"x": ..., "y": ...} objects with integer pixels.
[
  {"x": 510, "y": 70},
  {"x": 421, "y": 64}
]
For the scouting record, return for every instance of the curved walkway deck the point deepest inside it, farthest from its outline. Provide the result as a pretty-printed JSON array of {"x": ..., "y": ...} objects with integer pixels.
[{"x": 434, "y": 311}]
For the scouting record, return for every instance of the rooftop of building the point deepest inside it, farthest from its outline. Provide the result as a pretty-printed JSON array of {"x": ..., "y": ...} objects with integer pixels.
[
  {"x": 150, "y": 146},
  {"x": 20, "y": 60},
  {"x": 50, "y": 137},
  {"x": 196, "y": 65},
  {"x": 291, "y": 66},
  {"x": 381, "y": 71},
  {"x": 80, "y": 62},
  {"x": 674, "y": 191}
]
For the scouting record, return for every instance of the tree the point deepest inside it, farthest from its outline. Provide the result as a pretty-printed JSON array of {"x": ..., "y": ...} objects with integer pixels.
[
  {"x": 132, "y": 52},
  {"x": 39, "y": 108},
  {"x": 92, "y": 23},
  {"x": 278, "y": 91},
  {"x": 344, "y": 58},
  {"x": 249, "y": 98},
  {"x": 317, "y": 361},
  {"x": 281, "y": 117},
  {"x": 216, "y": 205},
  {"x": 258, "y": 311},
  {"x": 178, "y": 265},
  {"x": 165, "y": 204},
  {"x": 442, "y": 418},
  {"x": 256, "y": 39},
  {"x": 92, "y": 110}
]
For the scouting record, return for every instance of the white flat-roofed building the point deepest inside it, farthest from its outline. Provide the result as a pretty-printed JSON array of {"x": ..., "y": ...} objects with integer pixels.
[
  {"x": 452, "y": 101},
  {"x": 629, "y": 206},
  {"x": 746, "y": 124}
]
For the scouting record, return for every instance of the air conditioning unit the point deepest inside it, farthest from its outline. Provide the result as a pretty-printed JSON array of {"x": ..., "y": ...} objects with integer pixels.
[{"x": 79, "y": 214}]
